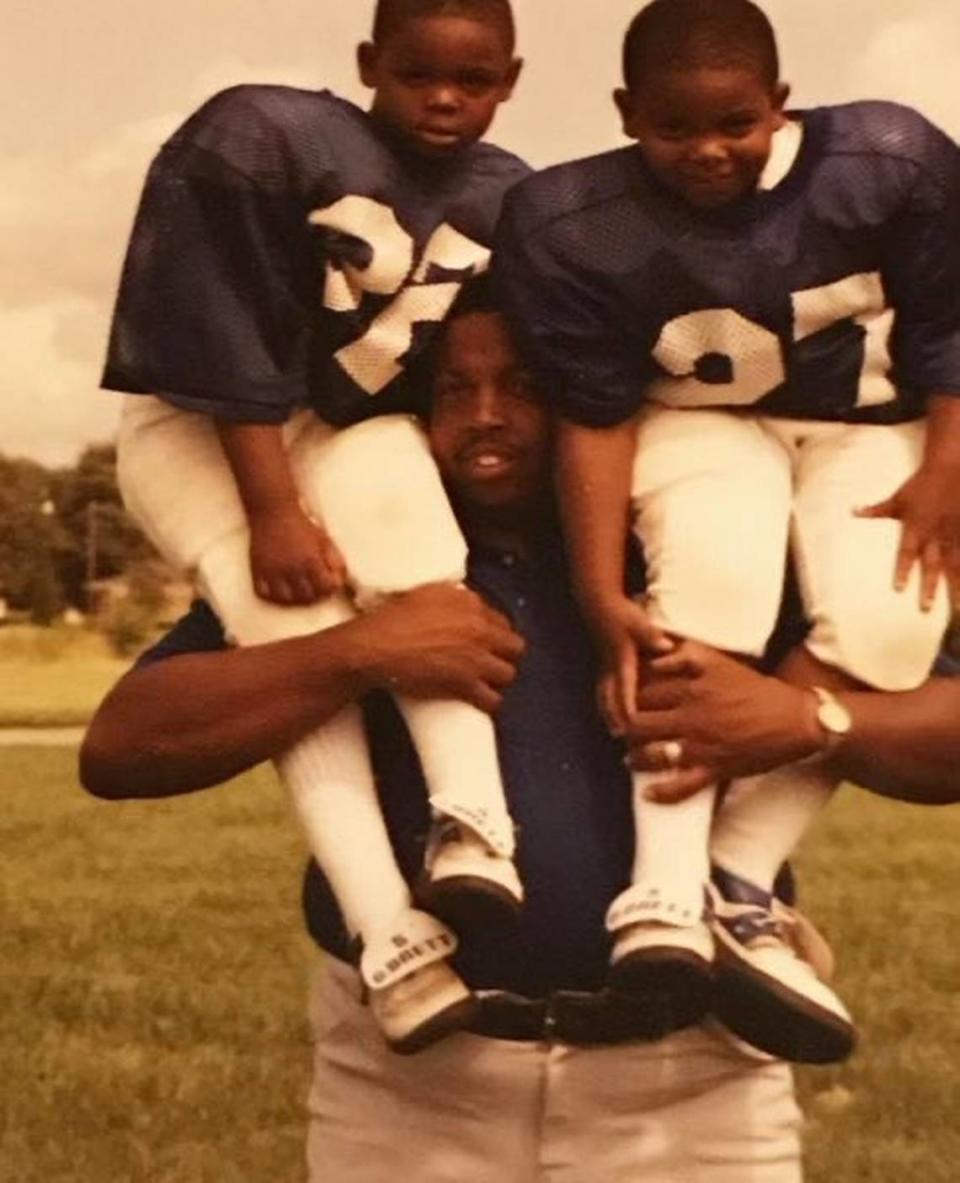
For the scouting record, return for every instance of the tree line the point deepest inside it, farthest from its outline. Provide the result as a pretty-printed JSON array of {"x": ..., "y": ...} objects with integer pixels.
[{"x": 61, "y": 530}]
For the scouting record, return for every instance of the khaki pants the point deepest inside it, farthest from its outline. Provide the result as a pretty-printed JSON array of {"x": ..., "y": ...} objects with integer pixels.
[{"x": 694, "y": 1108}]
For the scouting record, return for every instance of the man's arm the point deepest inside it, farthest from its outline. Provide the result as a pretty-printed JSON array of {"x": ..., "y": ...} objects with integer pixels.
[
  {"x": 190, "y": 721},
  {"x": 734, "y": 721}
]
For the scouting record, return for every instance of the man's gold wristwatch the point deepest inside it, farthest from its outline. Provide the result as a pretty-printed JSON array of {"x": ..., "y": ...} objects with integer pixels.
[{"x": 834, "y": 718}]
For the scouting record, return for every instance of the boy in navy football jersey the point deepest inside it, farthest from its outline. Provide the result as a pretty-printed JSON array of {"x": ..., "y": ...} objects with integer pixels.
[
  {"x": 745, "y": 318},
  {"x": 291, "y": 255}
]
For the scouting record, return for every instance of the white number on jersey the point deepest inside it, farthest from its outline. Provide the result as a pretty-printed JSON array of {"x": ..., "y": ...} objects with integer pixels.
[
  {"x": 717, "y": 357},
  {"x": 372, "y": 361}
]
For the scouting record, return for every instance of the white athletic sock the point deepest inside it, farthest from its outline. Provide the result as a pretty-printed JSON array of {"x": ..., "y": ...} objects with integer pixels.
[
  {"x": 762, "y": 819},
  {"x": 672, "y": 841},
  {"x": 457, "y": 746},
  {"x": 331, "y": 782}
]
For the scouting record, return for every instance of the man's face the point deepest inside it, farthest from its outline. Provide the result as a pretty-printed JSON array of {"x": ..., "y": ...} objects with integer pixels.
[
  {"x": 438, "y": 81},
  {"x": 490, "y": 432},
  {"x": 704, "y": 133}
]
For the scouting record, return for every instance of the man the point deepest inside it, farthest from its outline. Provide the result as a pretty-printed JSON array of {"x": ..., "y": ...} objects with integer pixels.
[{"x": 559, "y": 1082}]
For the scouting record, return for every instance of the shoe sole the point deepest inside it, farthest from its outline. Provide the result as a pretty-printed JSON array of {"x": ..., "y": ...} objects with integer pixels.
[
  {"x": 673, "y": 987},
  {"x": 777, "y": 1020},
  {"x": 467, "y": 900},
  {"x": 446, "y": 1022}
]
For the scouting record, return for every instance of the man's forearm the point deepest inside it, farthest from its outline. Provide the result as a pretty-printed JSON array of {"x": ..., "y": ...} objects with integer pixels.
[
  {"x": 191, "y": 721},
  {"x": 184, "y": 723},
  {"x": 734, "y": 721},
  {"x": 906, "y": 745}
]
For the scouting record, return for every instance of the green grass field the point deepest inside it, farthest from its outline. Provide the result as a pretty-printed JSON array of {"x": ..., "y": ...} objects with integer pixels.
[
  {"x": 53, "y": 677},
  {"x": 153, "y": 973}
]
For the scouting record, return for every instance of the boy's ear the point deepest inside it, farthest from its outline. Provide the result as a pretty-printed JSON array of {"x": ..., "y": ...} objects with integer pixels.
[
  {"x": 514, "y": 71},
  {"x": 781, "y": 93},
  {"x": 367, "y": 63},
  {"x": 624, "y": 103}
]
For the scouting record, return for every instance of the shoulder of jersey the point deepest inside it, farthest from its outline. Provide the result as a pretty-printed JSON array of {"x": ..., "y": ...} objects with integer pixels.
[
  {"x": 884, "y": 129},
  {"x": 251, "y": 127},
  {"x": 490, "y": 160},
  {"x": 564, "y": 190}
]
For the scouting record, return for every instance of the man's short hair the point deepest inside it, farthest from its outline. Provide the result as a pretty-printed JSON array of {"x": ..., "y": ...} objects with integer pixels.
[
  {"x": 476, "y": 297},
  {"x": 689, "y": 34},
  {"x": 390, "y": 15}
]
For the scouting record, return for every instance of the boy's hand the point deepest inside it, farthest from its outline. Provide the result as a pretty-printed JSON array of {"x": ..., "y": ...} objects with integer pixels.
[
  {"x": 292, "y": 559},
  {"x": 928, "y": 508},
  {"x": 624, "y": 633}
]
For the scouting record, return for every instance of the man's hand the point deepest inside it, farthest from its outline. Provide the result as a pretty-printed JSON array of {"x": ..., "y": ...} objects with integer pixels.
[
  {"x": 928, "y": 509},
  {"x": 292, "y": 559},
  {"x": 730, "y": 720},
  {"x": 625, "y": 634},
  {"x": 438, "y": 641}
]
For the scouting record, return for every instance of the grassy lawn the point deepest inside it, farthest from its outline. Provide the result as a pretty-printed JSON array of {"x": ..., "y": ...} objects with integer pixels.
[
  {"x": 152, "y": 976},
  {"x": 53, "y": 676}
]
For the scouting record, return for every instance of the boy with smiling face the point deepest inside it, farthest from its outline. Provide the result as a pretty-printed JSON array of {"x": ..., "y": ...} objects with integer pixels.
[
  {"x": 745, "y": 318},
  {"x": 292, "y": 255}
]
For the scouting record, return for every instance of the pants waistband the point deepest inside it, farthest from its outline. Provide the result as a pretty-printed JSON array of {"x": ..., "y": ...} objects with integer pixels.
[{"x": 566, "y": 1016}]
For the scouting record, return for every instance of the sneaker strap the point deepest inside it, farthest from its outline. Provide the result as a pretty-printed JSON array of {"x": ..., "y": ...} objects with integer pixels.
[
  {"x": 495, "y": 830},
  {"x": 651, "y": 903},
  {"x": 414, "y": 940},
  {"x": 747, "y": 923}
]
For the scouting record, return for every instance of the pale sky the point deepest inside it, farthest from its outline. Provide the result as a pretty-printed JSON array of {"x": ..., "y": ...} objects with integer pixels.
[{"x": 88, "y": 92}]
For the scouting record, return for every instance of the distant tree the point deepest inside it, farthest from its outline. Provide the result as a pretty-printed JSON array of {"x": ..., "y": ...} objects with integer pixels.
[
  {"x": 101, "y": 540},
  {"x": 31, "y": 539}
]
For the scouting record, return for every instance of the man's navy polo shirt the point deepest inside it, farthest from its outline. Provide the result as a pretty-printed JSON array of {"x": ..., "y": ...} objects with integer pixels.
[{"x": 567, "y": 788}]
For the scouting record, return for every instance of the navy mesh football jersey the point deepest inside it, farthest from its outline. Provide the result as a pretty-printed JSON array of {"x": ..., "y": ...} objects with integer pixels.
[
  {"x": 287, "y": 251},
  {"x": 834, "y": 295}
]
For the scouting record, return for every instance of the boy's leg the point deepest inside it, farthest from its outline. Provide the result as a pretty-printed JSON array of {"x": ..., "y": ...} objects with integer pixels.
[
  {"x": 377, "y": 490},
  {"x": 192, "y": 512},
  {"x": 711, "y": 497},
  {"x": 863, "y": 632}
]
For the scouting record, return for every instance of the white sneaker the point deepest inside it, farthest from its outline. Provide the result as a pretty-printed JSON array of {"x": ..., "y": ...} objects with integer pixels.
[
  {"x": 662, "y": 957},
  {"x": 767, "y": 994},
  {"x": 467, "y": 881},
  {"x": 414, "y": 994}
]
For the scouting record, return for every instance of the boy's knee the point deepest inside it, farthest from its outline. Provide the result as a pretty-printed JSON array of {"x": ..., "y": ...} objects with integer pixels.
[
  {"x": 723, "y": 606},
  {"x": 883, "y": 649}
]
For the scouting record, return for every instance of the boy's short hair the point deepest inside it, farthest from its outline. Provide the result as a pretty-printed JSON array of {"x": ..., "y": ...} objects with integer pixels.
[
  {"x": 390, "y": 15},
  {"x": 681, "y": 34}
]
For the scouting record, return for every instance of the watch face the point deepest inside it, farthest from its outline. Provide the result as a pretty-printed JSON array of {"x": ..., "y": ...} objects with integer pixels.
[{"x": 834, "y": 716}]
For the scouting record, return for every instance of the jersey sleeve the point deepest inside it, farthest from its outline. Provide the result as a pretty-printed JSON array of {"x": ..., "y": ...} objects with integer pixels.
[
  {"x": 567, "y": 325},
  {"x": 922, "y": 267},
  {"x": 212, "y": 312}
]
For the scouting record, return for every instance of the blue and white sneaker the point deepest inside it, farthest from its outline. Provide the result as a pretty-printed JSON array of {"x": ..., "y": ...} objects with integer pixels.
[{"x": 764, "y": 992}]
